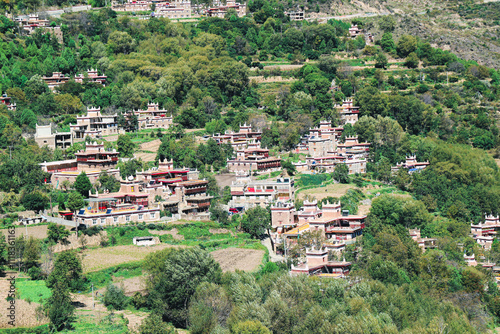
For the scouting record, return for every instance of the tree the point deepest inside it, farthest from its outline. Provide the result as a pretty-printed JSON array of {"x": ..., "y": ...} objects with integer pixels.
[
  {"x": 35, "y": 201},
  {"x": 387, "y": 23},
  {"x": 341, "y": 173},
  {"x": 174, "y": 277},
  {"x": 120, "y": 42},
  {"x": 115, "y": 297},
  {"x": 32, "y": 253},
  {"x": 56, "y": 233},
  {"x": 3, "y": 254},
  {"x": 289, "y": 166},
  {"x": 75, "y": 201},
  {"x": 406, "y": 45},
  {"x": 108, "y": 182},
  {"x": 125, "y": 146},
  {"x": 154, "y": 324},
  {"x": 210, "y": 307},
  {"x": 59, "y": 308},
  {"x": 381, "y": 61},
  {"x": 67, "y": 271},
  {"x": 256, "y": 221},
  {"x": 218, "y": 214},
  {"x": 412, "y": 60},
  {"x": 250, "y": 327},
  {"x": 82, "y": 184},
  {"x": 387, "y": 43}
]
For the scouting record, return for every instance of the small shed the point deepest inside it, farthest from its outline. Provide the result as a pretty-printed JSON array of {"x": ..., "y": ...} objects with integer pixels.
[{"x": 144, "y": 241}]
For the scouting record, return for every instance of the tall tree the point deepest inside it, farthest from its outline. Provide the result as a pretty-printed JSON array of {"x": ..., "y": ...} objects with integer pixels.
[
  {"x": 173, "y": 280},
  {"x": 82, "y": 184},
  {"x": 256, "y": 221}
]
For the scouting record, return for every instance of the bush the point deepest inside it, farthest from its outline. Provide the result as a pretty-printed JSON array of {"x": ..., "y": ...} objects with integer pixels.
[
  {"x": 35, "y": 273},
  {"x": 115, "y": 298}
]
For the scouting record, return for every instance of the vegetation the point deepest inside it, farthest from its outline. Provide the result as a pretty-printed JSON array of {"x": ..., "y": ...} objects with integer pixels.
[{"x": 414, "y": 100}]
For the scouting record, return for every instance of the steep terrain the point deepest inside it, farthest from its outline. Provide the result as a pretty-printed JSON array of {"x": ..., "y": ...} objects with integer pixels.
[{"x": 469, "y": 29}]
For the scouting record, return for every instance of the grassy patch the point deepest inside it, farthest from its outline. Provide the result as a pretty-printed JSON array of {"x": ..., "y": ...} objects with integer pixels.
[
  {"x": 109, "y": 325},
  {"x": 104, "y": 277},
  {"x": 33, "y": 291},
  {"x": 125, "y": 234},
  {"x": 269, "y": 176}
]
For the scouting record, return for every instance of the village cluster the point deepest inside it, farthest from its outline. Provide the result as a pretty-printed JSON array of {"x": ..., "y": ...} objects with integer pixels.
[{"x": 181, "y": 191}]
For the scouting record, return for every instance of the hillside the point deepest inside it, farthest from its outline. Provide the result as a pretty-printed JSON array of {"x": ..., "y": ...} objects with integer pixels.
[{"x": 467, "y": 28}]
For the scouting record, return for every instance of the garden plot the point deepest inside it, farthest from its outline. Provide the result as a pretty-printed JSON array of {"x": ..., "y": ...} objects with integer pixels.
[
  {"x": 102, "y": 258},
  {"x": 231, "y": 259}
]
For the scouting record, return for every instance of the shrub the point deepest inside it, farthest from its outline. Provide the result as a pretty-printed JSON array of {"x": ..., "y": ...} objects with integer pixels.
[{"x": 115, "y": 298}]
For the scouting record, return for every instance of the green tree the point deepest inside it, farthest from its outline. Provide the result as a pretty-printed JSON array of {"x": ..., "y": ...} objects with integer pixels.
[
  {"x": 250, "y": 327},
  {"x": 387, "y": 43},
  {"x": 82, "y": 184},
  {"x": 115, "y": 298},
  {"x": 59, "y": 308},
  {"x": 406, "y": 45},
  {"x": 108, "y": 182},
  {"x": 381, "y": 61},
  {"x": 387, "y": 23},
  {"x": 32, "y": 253},
  {"x": 3, "y": 254},
  {"x": 35, "y": 201},
  {"x": 341, "y": 173},
  {"x": 75, "y": 201},
  {"x": 67, "y": 271},
  {"x": 210, "y": 307},
  {"x": 125, "y": 146},
  {"x": 218, "y": 214},
  {"x": 56, "y": 233},
  {"x": 174, "y": 277},
  {"x": 256, "y": 221},
  {"x": 412, "y": 60},
  {"x": 154, "y": 324}
]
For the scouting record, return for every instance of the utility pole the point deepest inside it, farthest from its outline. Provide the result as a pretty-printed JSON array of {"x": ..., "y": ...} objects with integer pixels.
[{"x": 93, "y": 304}]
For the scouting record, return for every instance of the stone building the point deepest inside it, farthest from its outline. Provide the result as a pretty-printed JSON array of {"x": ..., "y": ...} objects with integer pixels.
[
  {"x": 45, "y": 137},
  {"x": 95, "y": 125}
]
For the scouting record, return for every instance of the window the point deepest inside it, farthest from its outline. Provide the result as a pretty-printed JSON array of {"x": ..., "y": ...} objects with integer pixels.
[
  {"x": 115, "y": 219},
  {"x": 94, "y": 221},
  {"x": 153, "y": 215},
  {"x": 127, "y": 218},
  {"x": 140, "y": 216}
]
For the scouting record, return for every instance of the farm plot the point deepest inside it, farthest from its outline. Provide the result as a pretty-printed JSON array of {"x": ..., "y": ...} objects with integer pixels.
[
  {"x": 26, "y": 313},
  {"x": 36, "y": 231},
  {"x": 333, "y": 190},
  {"x": 231, "y": 259},
  {"x": 102, "y": 258}
]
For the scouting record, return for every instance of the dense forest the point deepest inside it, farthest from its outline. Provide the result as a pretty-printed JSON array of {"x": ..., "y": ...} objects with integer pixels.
[{"x": 413, "y": 99}]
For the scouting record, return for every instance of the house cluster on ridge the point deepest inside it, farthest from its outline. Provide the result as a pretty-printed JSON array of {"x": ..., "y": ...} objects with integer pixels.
[
  {"x": 411, "y": 164},
  {"x": 33, "y": 22},
  {"x": 484, "y": 233},
  {"x": 246, "y": 193},
  {"x": 57, "y": 79},
  {"x": 153, "y": 117},
  {"x": 326, "y": 152},
  {"x": 338, "y": 227},
  {"x": 250, "y": 156}
]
